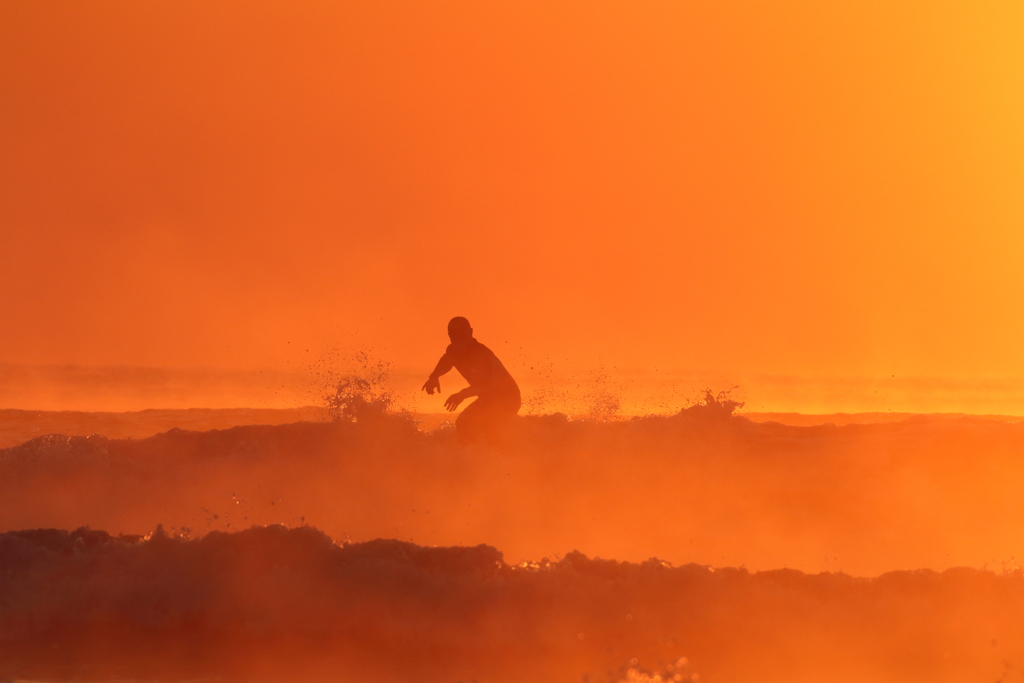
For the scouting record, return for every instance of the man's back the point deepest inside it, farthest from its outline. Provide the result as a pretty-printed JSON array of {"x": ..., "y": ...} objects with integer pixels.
[{"x": 481, "y": 368}]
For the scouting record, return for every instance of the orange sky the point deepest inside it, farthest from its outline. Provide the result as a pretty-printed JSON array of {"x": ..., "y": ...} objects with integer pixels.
[{"x": 803, "y": 188}]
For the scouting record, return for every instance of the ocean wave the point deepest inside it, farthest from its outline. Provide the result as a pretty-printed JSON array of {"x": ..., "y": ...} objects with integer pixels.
[
  {"x": 273, "y": 603},
  {"x": 697, "y": 486}
]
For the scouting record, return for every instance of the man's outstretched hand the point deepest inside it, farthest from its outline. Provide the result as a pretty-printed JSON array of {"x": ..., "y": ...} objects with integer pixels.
[
  {"x": 431, "y": 385},
  {"x": 453, "y": 401}
]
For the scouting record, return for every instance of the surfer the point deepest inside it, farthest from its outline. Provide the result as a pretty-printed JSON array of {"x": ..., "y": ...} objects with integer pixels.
[{"x": 498, "y": 394}]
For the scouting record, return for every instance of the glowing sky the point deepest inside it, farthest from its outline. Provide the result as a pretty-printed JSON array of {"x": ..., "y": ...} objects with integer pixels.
[{"x": 800, "y": 188}]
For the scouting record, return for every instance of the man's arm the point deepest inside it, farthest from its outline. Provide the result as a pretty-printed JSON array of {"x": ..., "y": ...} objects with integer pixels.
[
  {"x": 433, "y": 384},
  {"x": 458, "y": 397}
]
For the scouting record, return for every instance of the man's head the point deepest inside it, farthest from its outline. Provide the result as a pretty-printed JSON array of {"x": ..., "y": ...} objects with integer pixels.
[{"x": 459, "y": 330}]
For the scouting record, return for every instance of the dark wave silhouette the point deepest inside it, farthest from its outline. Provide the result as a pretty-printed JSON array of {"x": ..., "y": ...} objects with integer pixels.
[
  {"x": 701, "y": 485},
  {"x": 290, "y": 604},
  {"x": 242, "y": 587}
]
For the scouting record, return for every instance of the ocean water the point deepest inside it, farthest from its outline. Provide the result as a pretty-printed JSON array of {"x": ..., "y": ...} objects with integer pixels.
[
  {"x": 694, "y": 546},
  {"x": 272, "y": 603}
]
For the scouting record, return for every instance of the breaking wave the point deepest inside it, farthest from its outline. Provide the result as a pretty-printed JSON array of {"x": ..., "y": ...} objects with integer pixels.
[
  {"x": 271, "y": 603},
  {"x": 699, "y": 486},
  {"x": 247, "y": 583}
]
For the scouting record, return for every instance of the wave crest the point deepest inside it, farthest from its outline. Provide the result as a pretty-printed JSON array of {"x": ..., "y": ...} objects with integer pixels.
[{"x": 293, "y": 603}]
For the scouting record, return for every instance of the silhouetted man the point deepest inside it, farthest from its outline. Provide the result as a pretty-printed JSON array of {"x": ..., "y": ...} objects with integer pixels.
[{"x": 499, "y": 398}]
